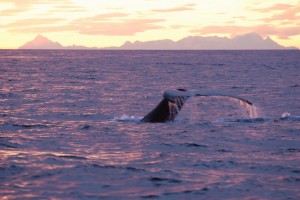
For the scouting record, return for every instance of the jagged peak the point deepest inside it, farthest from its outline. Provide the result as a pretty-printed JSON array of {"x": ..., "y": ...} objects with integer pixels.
[
  {"x": 41, "y": 42},
  {"x": 268, "y": 39},
  {"x": 41, "y": 38}
]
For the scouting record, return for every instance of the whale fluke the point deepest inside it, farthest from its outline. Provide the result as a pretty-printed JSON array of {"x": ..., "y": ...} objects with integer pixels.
[
  {"x": 219, "y": 94},
  {"x": 173, "y": 101}
]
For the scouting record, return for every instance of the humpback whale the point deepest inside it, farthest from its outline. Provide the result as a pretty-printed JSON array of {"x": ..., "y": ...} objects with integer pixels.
[{"x": 173, "y": 101}]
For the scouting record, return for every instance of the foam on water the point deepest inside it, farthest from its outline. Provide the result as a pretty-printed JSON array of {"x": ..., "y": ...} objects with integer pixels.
[{"x": 127, "y": 118}]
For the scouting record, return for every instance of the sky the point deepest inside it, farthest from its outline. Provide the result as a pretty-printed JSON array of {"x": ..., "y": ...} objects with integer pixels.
[{"x": 104, "y": 23}]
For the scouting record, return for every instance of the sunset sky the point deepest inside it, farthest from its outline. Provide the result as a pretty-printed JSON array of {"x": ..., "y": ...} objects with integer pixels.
[{"x": 102, "y": 23}]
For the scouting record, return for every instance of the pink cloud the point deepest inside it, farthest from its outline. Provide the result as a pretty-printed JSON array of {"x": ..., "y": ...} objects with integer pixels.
[
  {"x": 284, "y": 12},
  {"x": 127, "y": 27},
  {"x": 276, "y": 7},
  {"x": 26, "y": 3},
  {"x": 177, "y": 9},
  {"x": 264, "y": 30},
  {"x": 103, "y": 24},
  {"x": 113, "y": 24},
  {"x": 20, "y": 6},
  {"x": 11, "y": 11},
  {"x": 104, "y": 17},
  {"x": 232, "y": 29},
  {"x": 32, "y": 22},
  {"x": 289, "y": 15},
  {"x": 284, "y": 23}
]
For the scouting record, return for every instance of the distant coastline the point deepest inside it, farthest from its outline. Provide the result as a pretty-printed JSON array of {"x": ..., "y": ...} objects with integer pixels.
[
  {"x": 118, "y": 49},
  {"x": 250, "y": 41}
]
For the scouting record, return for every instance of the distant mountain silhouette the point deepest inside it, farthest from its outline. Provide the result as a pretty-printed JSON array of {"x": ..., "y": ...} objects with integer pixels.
[
  {"x": 250, "y": 41},
  {"x": 243, "y": 42},
  {"x": 41, "y": 42}
]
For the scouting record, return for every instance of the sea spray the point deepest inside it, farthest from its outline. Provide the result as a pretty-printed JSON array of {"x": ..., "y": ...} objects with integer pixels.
[
  {"x": 212, "y": 108},
  {"x": 127, "y": 118}
]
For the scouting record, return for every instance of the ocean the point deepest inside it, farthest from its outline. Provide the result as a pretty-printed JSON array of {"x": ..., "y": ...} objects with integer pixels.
[{"x": 70, "y": 125}]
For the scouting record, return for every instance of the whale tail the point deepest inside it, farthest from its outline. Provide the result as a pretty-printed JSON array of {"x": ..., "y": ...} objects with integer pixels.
[{"x": 173, "y": 101}]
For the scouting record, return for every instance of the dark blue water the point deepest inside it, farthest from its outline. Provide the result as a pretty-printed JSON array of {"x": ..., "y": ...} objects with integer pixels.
[{"x": 69, "y": 125}]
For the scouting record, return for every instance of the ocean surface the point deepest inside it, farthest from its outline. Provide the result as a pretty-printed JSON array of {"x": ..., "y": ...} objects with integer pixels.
[{"x": 70, "y": 125}]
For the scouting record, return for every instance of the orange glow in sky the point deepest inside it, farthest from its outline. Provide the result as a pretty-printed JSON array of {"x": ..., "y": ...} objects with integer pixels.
[{"x": 102, "y": 23}]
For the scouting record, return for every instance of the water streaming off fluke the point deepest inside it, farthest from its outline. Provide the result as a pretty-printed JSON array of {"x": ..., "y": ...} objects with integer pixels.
[{"x": 212, "y": 108}]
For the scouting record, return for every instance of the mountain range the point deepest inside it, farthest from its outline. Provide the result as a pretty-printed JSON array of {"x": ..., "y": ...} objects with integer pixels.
[{"x": 250, "y": 41}]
